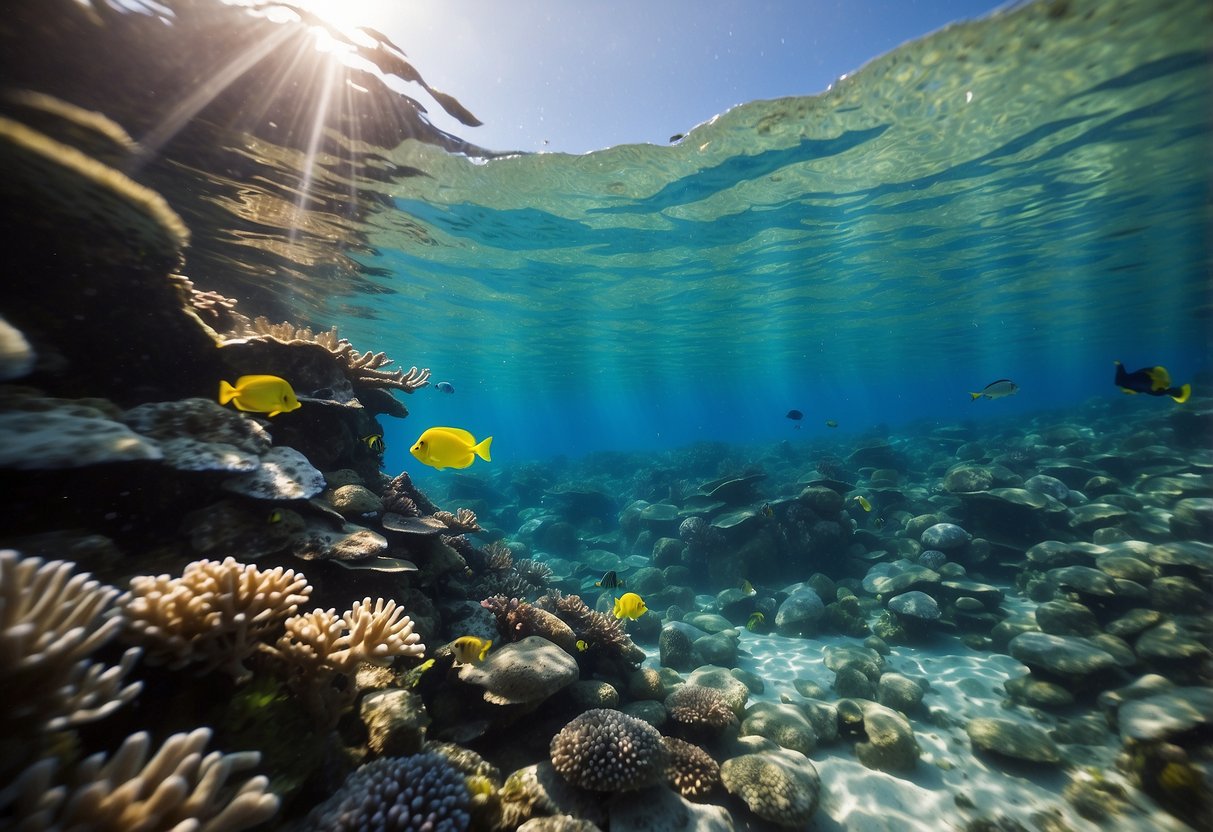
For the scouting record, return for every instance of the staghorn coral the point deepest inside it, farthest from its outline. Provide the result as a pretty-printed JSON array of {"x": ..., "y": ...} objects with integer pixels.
[
  {"x": 420, "y": 792},
  {"x": 533, "y": 572},
  {"x": 362, "y": 369},
  {"x": 215, "y": 615},
  {"x": 501, "y": 557},
  {"x": 374, "y": 633},
  {"x": 605, "y": 750},
  {"x": 51, "y": 621},
  {"x": 699, "y": 711},
  {"x": 176, "y": 788},
  {"x": 692, "y": 771}
]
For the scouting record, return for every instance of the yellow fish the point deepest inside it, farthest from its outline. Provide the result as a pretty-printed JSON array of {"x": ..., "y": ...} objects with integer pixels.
[
  {"x": 374, "y": 442},
  {"x": 755, "y": 621},
  {"x": 450, "y": 448},
  {"x": 260, "y": 394},
  {"x": 630, "y": 605},
  {"x": 830, "y": 423},
  {"x": 275, "y": 516},
  {"x": 470, "y": 650},
  {"x": 748, "y": 588},
  {"x": 583, "y": 645},
  {"x": 863, "y": 503}
]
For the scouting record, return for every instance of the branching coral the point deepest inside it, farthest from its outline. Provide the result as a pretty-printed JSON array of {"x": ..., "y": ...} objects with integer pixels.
[
  {"x": 215, "y": 615},
  {"x": 463, "y": 521},
  {"x": 176, "y": 788},
  {"x": 320, "y": 646},
  {"x": 374, "y": 633},
  {"x": 502, "y": 575},
  {"x": 363, "y": 369},
  {"x": 51, "y": 621},
  {"x": 598, "y": 629},
  {"x": 402, "y": 497}
]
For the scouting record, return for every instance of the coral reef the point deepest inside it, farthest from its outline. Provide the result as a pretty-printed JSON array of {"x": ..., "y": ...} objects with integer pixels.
[
  {"x": 214, "y": 616},
  {"x": 605, "y": 750},
  {"x": 699, "y": 712},
  {"x": 176, "y": 787},
  {"x": 692, "y": 771},
  {"x": 419, "y": 793},
  {"x": 52, "y": 620}
]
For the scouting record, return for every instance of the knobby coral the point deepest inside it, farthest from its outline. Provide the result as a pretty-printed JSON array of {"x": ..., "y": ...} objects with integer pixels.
[
  {"x": 699, "y": 711},
  {"x": 692, "y": 771},
  {"x": 421, "y": 793},
  {"x": 215, "y": 615},
  {"x": 606, "y": 750},
  {"x": 51, "y": 621},
  {"x": 176, "y": 788}
]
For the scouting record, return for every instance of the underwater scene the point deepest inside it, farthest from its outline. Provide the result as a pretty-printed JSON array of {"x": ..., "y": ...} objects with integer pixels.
[{"x": 843, "y": 463}]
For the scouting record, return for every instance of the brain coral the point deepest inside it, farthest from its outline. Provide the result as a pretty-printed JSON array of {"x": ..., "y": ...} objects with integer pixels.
[
  {"x": 420, "y": 792},
  {"x": 605, "y": 750},
  {"x": 780, "y": 786}
]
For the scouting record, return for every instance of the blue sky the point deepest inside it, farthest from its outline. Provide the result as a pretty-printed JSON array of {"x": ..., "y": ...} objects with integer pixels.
[{"x": 579, "y": 76}]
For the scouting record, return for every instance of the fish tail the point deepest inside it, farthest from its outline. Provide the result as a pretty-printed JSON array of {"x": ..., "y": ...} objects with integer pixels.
[
  {"x": 974, "y": 397},
  {"x": 484, "y": 651},
  {"x": 226, "y": 392},
  {"x": 482, "y": 449},
  {"x": 1181, "y": 394}
]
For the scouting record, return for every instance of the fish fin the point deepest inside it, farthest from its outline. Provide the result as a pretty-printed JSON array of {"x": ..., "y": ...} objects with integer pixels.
[
  {"x": 273, "y": 413},
  {"x": 482, "y": 450},
  {"x": 1184, "y": 393},
  {"x": 484, "y": 651},
  {"x": 227, "y": 392},
  {"x": 974, "y": 397},
  {"x": 1160, "y": 377}
]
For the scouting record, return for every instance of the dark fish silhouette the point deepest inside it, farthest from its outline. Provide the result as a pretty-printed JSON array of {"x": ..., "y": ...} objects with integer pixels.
[
  {"x": 610, "y": 580},
  {"x": 795, "y": 415},
  {"x": 1153, "y": 381}
]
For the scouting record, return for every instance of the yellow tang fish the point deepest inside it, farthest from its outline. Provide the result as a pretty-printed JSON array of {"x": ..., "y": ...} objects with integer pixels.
[
  {"x": 469, "y": 649},
  {"x": 630, "y": 605},
  {"x": 450, "y": 448},
  {"x": 260, "y": 394},
  {"x": 374, "y": 442},
  {"x": 863, "y": 503},
  {"x": 755, "y": 621}
]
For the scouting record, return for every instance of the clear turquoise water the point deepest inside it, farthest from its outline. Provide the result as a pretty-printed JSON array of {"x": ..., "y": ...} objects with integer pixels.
[{"x": 1021, "y": 197}]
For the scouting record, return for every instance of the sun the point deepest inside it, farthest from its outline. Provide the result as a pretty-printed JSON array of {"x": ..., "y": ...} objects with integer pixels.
[{"x": 345, "y": 15}]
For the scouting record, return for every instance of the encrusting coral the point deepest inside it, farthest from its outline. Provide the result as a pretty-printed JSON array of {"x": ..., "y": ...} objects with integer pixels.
[
  {"x": 51, "y": 621},
  {"x": 215, "y": 615},
  {"x": 175, "y": 788}
]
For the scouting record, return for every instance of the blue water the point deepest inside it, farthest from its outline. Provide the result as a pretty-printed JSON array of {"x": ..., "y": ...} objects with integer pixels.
[{"x": 967, "y": 208}]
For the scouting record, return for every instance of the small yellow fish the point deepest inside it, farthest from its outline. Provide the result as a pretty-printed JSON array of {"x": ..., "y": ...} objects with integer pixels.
[
  {"x": 450, "y": 448},
  {"x": 470, "y": 650},
  {"x": 863, "y": 502},
  {"x": 830, "y": 423},
  {"x": 630, "y": 605},
  {"x": 748, "y": 588},
  {"x": 374, "y": 442},
  {"x": 755, "y": 621},
  {"x": 275, "y": 516},
  {"x": 878, "y": 522},
  {"x": 260, "y": 394},
  {"x": 583, "y": 645}
]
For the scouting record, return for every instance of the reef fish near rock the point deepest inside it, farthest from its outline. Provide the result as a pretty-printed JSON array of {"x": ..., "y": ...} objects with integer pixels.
[
  {"x": 470, "y": 650},
  {"x": 260, "y": 394},
  {"x": 1153, "y": 381},
  {"x": 450, "y": 448},
  {"x": 630, "y": 605},
  {"x": 996, "y": 390}
]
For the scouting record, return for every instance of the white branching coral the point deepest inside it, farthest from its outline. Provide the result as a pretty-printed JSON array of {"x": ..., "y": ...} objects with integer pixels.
[
  {"x": 215, "y": 615},
  {"x": 178, "y": 787},
  {"x": 374, "y": 633},
  {"x": 51, "y": 621}
]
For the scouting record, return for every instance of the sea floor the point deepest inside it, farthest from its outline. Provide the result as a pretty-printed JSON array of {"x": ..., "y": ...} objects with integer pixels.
[{"x": 953, "y": 785}]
